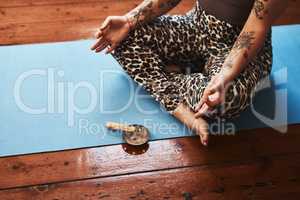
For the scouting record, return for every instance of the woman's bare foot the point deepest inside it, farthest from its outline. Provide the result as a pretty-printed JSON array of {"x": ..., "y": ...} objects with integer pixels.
[{"x": 199, "y": 125}]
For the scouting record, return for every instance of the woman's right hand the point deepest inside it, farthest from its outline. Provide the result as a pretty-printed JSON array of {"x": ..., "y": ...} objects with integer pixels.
[{"x": 112, "y": 31}]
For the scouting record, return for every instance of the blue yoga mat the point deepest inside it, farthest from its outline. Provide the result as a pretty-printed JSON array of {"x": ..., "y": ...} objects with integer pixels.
[{"x": 59, "y": 96}]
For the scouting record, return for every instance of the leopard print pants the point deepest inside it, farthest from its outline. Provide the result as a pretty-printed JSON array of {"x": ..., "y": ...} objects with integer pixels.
[{"x": 193, "y": 39}]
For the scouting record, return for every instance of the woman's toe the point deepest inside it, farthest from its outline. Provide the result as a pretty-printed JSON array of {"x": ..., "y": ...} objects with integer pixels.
[{"x": 204, "y": 138}]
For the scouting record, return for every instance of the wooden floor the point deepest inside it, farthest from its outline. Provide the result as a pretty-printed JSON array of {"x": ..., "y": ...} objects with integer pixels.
[{"x": 256, "y": 165}]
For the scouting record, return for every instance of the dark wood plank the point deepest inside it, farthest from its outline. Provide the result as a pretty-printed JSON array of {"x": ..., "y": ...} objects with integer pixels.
[
  {"x": 32, "y": 3},
  {"x": 52, "y": 32},
  {"x": 113, "y": 160},
  {"x": 291, "y": 15},
  {"x": 43, "y": 21},
  {"x": 264, "y": 179},
  {"x": 165, "y": 154},
  {"x": 62, "y": 22},
  {"x": 67, "y": 12}
]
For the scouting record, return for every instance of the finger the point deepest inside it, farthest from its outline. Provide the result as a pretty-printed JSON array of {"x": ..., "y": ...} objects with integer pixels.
[
  {"x": 211, "y": 112},
  {"x": 98, "y": 43},
  {"x": 200, "y": 104},
  {"x": 204, "y": 132},
  {"x": 99, "y": 34},
  {"x": 202, "y": 111},
  {"x": 104, "y": 32},
  {"x": 204, "y": 98},
  {"x": 213, "y": 89},
  {"x": 106, "y": 22},
  {"x": 100, "y": 48},
  {"x": 214, "y": 95},
  {"x": 204, "y": 138},
  {"x": 95, "y": 45},
  {"x": 214, "y": 99},
  {"x": 111, "y": 48}
]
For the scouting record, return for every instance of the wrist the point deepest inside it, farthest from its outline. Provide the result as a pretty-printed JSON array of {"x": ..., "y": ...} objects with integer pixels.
[
  {"x": 227, "y": 74},
  {"x": 130, "y": 22}
]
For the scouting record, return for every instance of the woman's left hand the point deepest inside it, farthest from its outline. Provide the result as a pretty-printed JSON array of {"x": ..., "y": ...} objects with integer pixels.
[{"x": 213, "y": 95}]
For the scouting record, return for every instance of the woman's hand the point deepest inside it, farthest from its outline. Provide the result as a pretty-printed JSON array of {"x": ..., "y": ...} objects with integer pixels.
[
  {"x": 113, "y": 30},
  {"x": 214, "y": 93},
  {"x": 246, "y": 47}
]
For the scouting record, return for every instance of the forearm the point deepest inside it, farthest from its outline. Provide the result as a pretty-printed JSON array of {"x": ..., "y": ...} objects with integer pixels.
[
  {"x": 252, "y": 37},
  {"x": 246, "y": 47},
  {"x": 149, "y": 9}
]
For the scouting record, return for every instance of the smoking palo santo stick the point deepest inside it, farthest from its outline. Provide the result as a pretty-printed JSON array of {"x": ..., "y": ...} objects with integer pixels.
[{"x": 119, "y": 127}]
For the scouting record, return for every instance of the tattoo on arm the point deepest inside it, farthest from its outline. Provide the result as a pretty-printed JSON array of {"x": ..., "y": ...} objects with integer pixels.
[
  {"x": 260, "y": 8},
  {"x": 252, "y": 38},
  {"x": 145, "y": 11},
  {"x": 244, "y": 42},
  {"x": 229, "y": 62},
  {"x": 151, "y": 8}
]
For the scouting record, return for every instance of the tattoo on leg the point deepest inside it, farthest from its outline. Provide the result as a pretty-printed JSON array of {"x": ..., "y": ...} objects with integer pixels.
[{"x": 259, "y": 8}]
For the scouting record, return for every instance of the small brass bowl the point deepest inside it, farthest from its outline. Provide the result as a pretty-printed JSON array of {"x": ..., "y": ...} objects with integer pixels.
[{"x": 132, "y": 134}]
